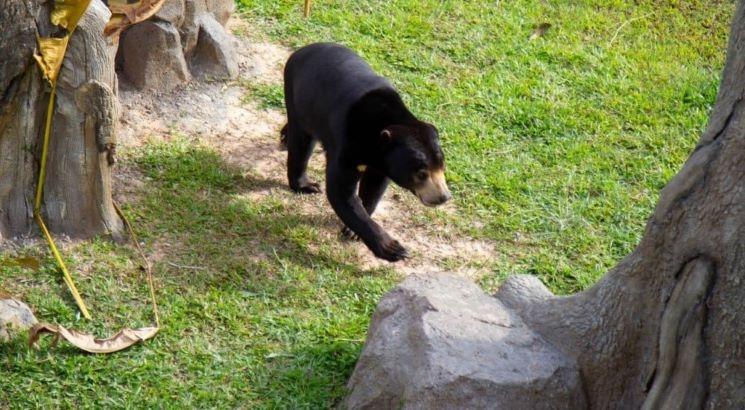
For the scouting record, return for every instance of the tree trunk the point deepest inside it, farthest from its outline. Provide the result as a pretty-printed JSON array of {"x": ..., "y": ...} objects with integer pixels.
[
  {"x": 77, "y": 198},
  {"x": 665, "y": 328}
]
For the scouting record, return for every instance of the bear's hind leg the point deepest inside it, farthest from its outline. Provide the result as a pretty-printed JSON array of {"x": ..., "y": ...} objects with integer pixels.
[
  {"x": 283, "y": 139},
  {"x": 299, "y": 148}
]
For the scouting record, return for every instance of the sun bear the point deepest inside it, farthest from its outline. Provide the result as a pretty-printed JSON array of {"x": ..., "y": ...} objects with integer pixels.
[{"x": 369, "y": 137}]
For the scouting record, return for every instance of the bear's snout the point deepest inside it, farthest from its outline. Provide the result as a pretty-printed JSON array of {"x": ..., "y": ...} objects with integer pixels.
[{"x": 434, "y": 191}]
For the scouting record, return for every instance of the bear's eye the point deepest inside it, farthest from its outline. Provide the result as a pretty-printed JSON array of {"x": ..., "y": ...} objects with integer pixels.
[{"x": 422, "y": 175}]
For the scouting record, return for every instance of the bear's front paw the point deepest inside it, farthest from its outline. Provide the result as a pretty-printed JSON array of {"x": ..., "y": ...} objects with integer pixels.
[
  {"x": 390, "y": 250},
  {"x": 307, "y": 188},
  {"x": 349, "y": 234}
]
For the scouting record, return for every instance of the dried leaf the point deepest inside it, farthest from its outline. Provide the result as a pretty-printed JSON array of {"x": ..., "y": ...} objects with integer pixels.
[
  {"x": 67, "y": 13},
  {"x": 28, "y": 262},
  {"x": 540, "y": 30},
  {"x": 125, "y": 14},
  {"x": 120, "y": 341},
  {"x": 51, "y": 54}
]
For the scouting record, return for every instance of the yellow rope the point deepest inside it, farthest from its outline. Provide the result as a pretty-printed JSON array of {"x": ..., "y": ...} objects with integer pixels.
[
  {"x": 65, "y": 273},
  {"x": 67, "y": 15},
  {"x": 148, "y": 268},
  {"x": 306, "y": 9},
  {"x": 47, "y": 132},
  {"x": 37, "y": 207},
  {"x": 55, "y": 252}
]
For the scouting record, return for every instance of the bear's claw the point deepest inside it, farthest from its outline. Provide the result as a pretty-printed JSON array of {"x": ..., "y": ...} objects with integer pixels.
[
  {"x": 308, "y": 188},
  {"x": 349, "y": 234},
  {"x": 391, "y": 250}
]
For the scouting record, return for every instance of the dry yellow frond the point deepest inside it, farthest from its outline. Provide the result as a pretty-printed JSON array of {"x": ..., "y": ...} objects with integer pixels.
[
  {"x": 67, "y": 13},
  {"x": 51, "y": 54}
]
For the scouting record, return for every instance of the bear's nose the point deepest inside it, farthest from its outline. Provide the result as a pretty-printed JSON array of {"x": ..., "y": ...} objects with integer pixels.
[{"x": 444, "y": 198}]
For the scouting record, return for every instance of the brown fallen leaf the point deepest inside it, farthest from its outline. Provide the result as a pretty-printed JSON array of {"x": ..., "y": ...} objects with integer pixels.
[
  {"x": 83, "y": 341},
  {"x": 125, "y": 13},
  {"x": 540, "y": 31},
  {"x": 28, "y": 262}
]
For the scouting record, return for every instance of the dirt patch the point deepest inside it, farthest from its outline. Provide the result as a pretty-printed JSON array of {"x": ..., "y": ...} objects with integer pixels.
[{"x": 223, "y": 116}]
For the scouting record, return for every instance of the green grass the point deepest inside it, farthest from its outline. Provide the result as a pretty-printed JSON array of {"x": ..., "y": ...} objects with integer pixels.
[
  {"x": 556, "y": 149},
  {"x": 558, "y": 146},
  {"x": 267, "y": 95},
  {"x": 273, "y": 317}
]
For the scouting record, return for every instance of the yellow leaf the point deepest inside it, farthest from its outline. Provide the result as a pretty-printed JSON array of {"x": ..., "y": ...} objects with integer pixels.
[
  {"x": 120, "y": 341},
  {"x": 67, "y": 13},
  {"x": 125, "y": 14},
  {"x": 51, "y": 54}
]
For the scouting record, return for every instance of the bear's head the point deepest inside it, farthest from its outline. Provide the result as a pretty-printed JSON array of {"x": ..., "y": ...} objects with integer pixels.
[{"x": 414, "y": 161}]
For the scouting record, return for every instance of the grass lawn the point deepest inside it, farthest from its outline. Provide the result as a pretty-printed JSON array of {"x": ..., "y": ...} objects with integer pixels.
[{"x": 556, "y": 148}]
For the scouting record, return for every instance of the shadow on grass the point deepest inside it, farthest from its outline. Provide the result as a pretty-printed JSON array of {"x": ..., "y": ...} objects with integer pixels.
[
  {"x": 202, "y": 202},
  {"x": 273, "y": 316},
  {"x": 296, "y": 293}
]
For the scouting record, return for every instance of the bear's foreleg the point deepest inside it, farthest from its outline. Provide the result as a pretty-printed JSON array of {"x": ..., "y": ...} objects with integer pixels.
[
  {"x": 341, "y": 187},
  {"x": 372, "y": 187}
]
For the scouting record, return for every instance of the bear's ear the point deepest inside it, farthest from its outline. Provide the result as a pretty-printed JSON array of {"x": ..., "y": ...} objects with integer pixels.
[{"x": 386, "y": 134}]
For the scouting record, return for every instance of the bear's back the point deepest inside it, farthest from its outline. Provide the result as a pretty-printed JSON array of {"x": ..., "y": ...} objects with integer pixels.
[{"x": 325, "y": 80}]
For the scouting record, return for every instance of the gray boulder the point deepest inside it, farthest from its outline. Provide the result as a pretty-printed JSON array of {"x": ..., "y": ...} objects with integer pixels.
[
  {"x": 194, "y": 11},
  {"x": 14, "y": 316},
  {"x": 184, "y": 37},
  {"x": 221, "y": 9},
  {"x": 171, "y": 11},
  {"x": 439, "y": 342},
  {"x": 214, "y": 55},
  {"x": 189, "y": 29},
  {"x": 151, "y": 56}
]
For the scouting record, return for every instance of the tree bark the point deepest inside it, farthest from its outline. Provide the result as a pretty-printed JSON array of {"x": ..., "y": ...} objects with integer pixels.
[
  {"x": 77, "y": 198},
  {"x": 665, "y": 328}
]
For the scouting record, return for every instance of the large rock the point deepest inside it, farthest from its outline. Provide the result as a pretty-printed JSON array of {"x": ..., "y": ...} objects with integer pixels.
[
  {"x": 14, "y": 316},
  {"x": 221, "y": 9},
  {"x": 184, "y": 37},
  {"x": 151, "y": 56},
  {"x": 214, "y": 55},
  {"x": 171, "y": 11},
  {"x": 439, "y": 342},
  {"x": 194, "y": 11},
  {"x": 189, "y": 29}
]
